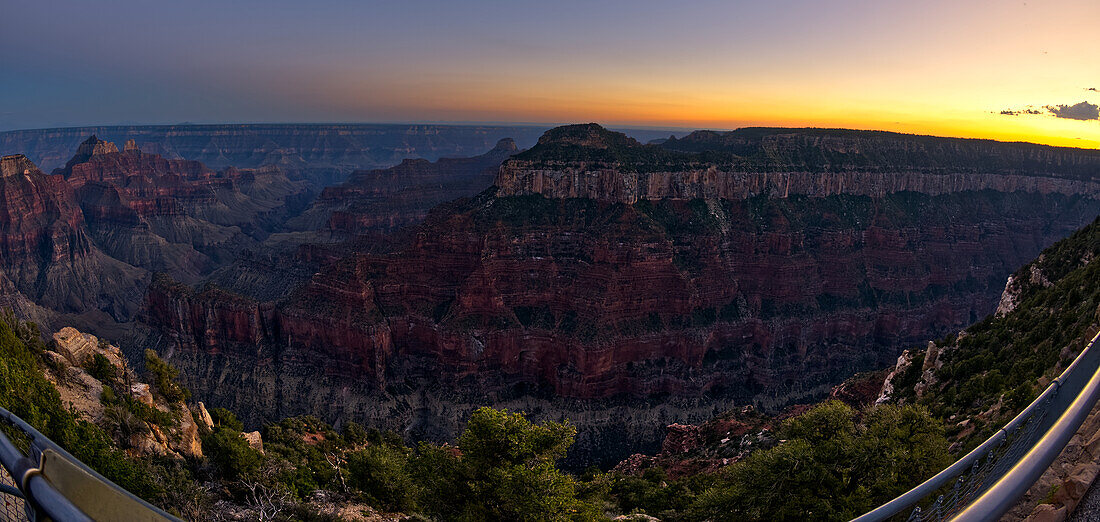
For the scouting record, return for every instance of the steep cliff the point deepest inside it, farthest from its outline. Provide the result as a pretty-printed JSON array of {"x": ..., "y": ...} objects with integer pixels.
[
  {"x": 46, "y": 253},
  {"x": 588, "y": 161}
]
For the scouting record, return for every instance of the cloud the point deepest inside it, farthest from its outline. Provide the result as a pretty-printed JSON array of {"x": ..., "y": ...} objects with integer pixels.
[
  {"x": 1081, "y": 111},
  {"x": 1015, "y": 112}
]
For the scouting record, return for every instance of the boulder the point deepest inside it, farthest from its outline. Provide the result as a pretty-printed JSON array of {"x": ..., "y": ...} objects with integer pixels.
[
  {"x": 188, "y": 443},
  {"x": 141, "y": 392},
  {"x": 254, "y": 440},
  {"x": 204, "y": 416},
  {"x": 1047, "y": 513}
]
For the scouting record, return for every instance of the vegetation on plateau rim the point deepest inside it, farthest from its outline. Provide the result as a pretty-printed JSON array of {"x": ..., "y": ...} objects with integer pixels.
[
  {"x": 830, "y": 463},
  {"x": 757, "y": 149},
  {"x": 999, "y": 365}
]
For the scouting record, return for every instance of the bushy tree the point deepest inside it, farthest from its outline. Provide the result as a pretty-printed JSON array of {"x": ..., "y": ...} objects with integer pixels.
[
  {"x": 102, "y": 369},
  {"x": 503, "y": 469},
  {"x": 164, "y": 377},
  {"x": 832, "y": 466},
  {"x": 228, "y": 450},
  {"x": 380, "y": 472}
]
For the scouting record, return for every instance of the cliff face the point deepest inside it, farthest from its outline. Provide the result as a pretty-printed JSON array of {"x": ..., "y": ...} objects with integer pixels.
[
  {"x": 594, "y": 300},
  {"x": 622, "y": 317},
  {"x": 46, "y": 253},
  {"x": 587, "y": 161},
  {"x": 597, "y": 182},
  {"x": 175, "y": 215},
  {"x": 386, "y": 199}
]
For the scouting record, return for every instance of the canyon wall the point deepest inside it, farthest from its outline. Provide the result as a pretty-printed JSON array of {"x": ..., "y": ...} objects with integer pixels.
[
  {"x": 176, "y": 215},
  {"x": 519, "y": 177},
  {"x": 623, "y": 318},
  {"x": 46, "y": 255},
  {"x": 627, "y": 286}
]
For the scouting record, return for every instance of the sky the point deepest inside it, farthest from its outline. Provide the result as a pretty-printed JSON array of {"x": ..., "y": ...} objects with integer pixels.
[{"x": 1007, "y": 70}]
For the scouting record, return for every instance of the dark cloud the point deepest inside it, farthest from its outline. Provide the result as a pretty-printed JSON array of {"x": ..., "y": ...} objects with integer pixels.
[
  {"x": 1080, "y": 111},
  {"x": 1012, "y": 112}
]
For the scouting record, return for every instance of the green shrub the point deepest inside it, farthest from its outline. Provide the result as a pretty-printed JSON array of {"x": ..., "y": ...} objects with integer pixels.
[
  {"x": 380, "y": 473},
  {"x": 225, "y": 418},
  {"x": 102, "y": 369},
  {"x": 504, "y": 469},
  {"x": 832, "y": 466},
  {"x": 164, "y": 377},
  {"x": 230, "y": 453}
]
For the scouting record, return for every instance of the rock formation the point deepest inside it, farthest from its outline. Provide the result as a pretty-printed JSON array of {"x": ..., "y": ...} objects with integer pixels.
[
  {"x": 386, "y": 199},
  {"x": 587, "y": 161},
  {"x": 592, "y": 306},
  {"x": 175, "y": 215},
  {"x": 176, "y": 436},
  {"x": 322, "y": 155},
  {"x": 46, "y": 252}
]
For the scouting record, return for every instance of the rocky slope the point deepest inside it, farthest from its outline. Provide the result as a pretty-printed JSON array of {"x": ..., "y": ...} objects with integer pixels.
[
  {"x": 599, "y": 309},
  {"x": 73, "y": 353}
]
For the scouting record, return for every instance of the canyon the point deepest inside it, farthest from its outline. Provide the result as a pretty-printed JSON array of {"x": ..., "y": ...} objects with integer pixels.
[
  {"x": 626, "y": 286},
  {"x": 621, "y": 285}
]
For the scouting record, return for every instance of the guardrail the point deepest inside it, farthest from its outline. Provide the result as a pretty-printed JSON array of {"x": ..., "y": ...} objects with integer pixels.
[
  {"x": 988, "y": 481},
  {"x": 51, "y": 484}
]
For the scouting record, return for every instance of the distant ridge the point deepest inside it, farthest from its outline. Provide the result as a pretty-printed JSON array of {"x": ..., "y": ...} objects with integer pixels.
[{"x": 588, "y": 161}]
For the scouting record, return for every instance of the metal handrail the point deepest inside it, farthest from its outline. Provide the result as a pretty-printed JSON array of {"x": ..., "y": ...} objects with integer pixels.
[
  {"x": 39, "y": 493},
  {"x": 1012, "y": 486},
  {"x": 1054, "y": 439},
  {"x": 35, "y": 489}
]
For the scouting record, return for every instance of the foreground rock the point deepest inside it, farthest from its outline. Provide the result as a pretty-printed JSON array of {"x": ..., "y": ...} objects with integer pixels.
[{"x": 74, "y": 357}]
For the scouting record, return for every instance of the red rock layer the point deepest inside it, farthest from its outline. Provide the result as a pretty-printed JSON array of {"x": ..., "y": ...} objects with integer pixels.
[
  {"x": 591, "y": 300},
  {"x": 45, "y": 249},
  {"x": 175, "y": 215}
]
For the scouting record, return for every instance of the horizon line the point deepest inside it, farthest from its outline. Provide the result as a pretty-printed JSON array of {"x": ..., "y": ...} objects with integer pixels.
[{"x": 548, "y": 126}]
